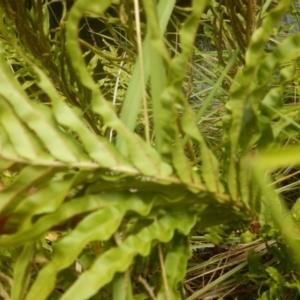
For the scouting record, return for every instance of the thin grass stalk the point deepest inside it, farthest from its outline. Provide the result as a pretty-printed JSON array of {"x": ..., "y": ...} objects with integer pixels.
[
  {"x": 132, "y": 101},
  {"x": 116, "y": 92},
  {"x": 163, "y": 272},
  {"x": 142, "y": 72}
]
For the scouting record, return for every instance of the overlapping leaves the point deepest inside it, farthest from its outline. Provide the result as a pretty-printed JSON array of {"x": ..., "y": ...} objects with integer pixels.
[{"x": 91, "y": 189}]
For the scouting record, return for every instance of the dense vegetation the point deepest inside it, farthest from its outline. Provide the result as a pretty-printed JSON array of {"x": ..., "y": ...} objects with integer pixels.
[{"x": 149, "y": 150}]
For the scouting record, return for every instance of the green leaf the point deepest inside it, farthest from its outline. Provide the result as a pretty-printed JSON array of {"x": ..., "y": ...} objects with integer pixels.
[
  {"x": 98, "y": 148},
  {"x": 17, "y": 133},
  {"x": 141, "y": 155},
  {"x": 22, "y": 272},
  {"x": 242, "y": 122},
  {"x": 275, "y": 207},
  {"x": 54, "y": 140},
  {"x": 43, "y": 201},
  {"x": 13, "y": 195},
  {"x": 275, "y": 275},
  {"x": 133, "y": 98},
  {"x": 247, "y": 237},
  {"x": 175, "y": 266},
  {"x": 296, "y": 210},
  {"x": 118, "y": 259},
  {"x": 98, "y": 225},
  {"x": 255, "y": 266},
  {"x": 73, "y": 208}
]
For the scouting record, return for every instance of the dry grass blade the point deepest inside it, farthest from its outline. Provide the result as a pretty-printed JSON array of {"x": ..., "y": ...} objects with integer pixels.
[{"x": 216, "y": 274}]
